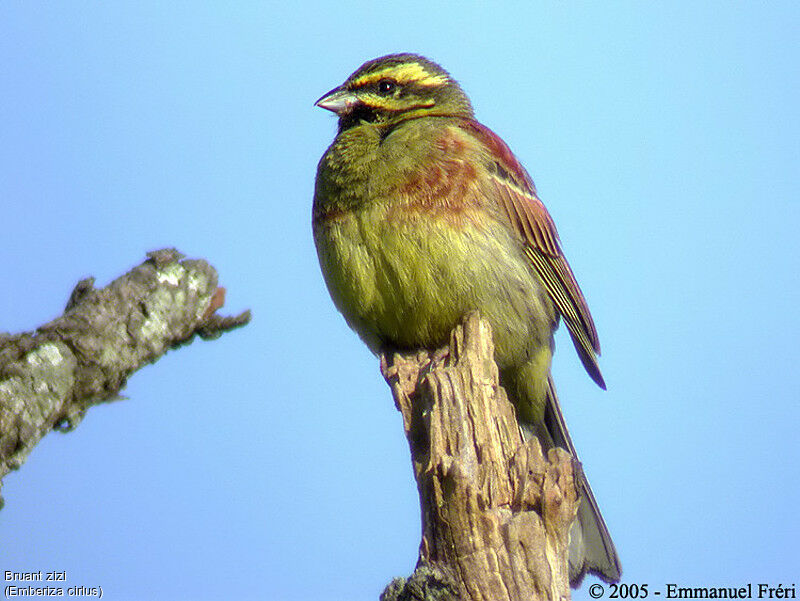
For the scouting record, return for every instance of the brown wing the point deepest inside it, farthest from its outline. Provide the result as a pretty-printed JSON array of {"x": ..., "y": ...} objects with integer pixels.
[{"x": 516, "y": 194}]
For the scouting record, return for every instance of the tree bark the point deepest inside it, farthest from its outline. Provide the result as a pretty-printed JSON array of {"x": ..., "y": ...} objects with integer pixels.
[
  {"x": 496, "y": 513},
  {"x": 50, "y": 377}
]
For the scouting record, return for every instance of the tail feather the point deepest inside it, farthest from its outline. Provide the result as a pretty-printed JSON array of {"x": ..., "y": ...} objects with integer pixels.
[{"x": 591, "y": 548}]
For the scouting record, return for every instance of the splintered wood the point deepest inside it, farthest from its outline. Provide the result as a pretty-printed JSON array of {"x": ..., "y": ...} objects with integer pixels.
[{"x": 496, "y": 513}]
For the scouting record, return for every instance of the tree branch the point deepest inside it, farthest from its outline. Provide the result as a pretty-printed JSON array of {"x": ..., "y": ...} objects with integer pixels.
[
  {"x": 50, "y": 377},
  {"x": 495, "y": 512}
]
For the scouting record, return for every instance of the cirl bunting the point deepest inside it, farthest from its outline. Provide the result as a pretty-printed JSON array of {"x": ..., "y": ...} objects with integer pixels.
[{"x": 422, "y": 214}]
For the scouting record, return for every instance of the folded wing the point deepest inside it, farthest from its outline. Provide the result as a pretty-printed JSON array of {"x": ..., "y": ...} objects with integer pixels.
[{"x": 516, "y": 195}]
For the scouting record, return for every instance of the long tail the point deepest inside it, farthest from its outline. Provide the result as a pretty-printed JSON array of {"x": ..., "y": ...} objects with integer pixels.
[{"x": 590, "y": 546}]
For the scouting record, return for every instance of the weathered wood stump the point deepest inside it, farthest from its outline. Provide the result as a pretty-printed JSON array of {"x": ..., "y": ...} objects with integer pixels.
[{"x": 496, "y": 512}]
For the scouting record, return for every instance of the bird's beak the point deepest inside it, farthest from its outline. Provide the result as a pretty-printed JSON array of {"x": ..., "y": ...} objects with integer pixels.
[{"x": 339, "y": 100}]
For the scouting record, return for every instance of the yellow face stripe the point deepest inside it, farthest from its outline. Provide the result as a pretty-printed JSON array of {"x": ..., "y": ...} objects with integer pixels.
[
  {"x": 392, "y": 104},
  {"x": 405, "y": 73}
]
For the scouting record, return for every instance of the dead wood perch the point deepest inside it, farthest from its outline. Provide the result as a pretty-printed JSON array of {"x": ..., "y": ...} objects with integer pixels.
[
  {"x": 50, "y": 377},
  {"x": 496, "y": 513}
]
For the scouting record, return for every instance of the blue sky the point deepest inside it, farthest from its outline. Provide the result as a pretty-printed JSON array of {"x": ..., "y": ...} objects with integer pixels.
[{"x": 271, "y": 464}]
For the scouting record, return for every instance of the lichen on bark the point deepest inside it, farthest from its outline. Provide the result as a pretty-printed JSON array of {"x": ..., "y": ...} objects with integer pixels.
[{"x": 50, "y": 377}]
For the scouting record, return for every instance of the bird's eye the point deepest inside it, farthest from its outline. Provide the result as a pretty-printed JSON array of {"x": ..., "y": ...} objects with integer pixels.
[{"x": 386, "y": 87}]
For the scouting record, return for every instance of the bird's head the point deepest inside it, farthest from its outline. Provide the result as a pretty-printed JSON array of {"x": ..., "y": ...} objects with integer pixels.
[{"x": 393, "y": 88}]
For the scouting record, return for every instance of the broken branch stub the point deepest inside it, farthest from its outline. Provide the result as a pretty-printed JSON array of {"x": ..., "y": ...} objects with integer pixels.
[{"x": 496, "y": 512}]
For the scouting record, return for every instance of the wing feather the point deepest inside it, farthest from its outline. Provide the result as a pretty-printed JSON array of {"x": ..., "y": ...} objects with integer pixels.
[{"x": 517, "y": 196}]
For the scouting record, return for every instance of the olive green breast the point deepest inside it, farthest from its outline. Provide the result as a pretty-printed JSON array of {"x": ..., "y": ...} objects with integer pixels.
[{"x": 403, "y": 275}]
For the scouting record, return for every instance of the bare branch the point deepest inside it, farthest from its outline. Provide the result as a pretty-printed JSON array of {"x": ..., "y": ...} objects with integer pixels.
[
  {"x": 495, "y": 512},
  {"x": 50, "y": 377}
]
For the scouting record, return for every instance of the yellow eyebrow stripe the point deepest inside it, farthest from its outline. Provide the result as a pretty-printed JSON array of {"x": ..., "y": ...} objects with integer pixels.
[{"x": 405, "y": 73}]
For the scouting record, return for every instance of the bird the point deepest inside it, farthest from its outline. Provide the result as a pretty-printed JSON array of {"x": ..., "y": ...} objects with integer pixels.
[{"x": 422, "y": 214}]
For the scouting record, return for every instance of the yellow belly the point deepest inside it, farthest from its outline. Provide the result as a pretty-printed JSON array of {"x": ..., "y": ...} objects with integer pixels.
[{"x": 406, "y": 283}]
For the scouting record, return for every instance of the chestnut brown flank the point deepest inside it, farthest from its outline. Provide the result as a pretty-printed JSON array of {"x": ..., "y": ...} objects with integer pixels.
[{"x": 446, "y": 187}]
